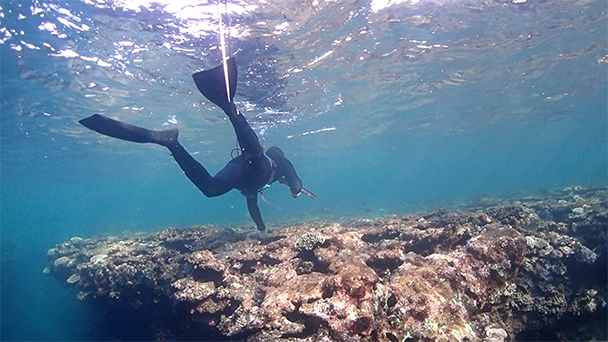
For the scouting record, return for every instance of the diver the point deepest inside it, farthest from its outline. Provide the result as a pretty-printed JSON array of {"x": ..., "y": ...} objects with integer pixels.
[{"x": 250, "y": 172}]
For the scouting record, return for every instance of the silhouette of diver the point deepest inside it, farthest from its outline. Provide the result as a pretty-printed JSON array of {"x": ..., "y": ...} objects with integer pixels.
[{"x": 250, "y": 172}]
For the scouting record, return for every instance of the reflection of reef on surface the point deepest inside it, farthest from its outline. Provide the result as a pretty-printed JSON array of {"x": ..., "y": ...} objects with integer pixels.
[{"x": 534, "y": 269}]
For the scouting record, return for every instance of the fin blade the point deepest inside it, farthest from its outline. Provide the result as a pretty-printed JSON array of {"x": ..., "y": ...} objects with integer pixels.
[
  {"x": 212, "y": 83},
  {"x": 119, "y": 130}
]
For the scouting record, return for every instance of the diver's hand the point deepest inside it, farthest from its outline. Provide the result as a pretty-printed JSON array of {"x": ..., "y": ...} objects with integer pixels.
[
  {"x": 294, "y": 191},
  {"x": 304, "y": 191}
]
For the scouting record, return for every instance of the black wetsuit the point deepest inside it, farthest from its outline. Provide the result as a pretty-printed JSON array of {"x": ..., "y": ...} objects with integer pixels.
[{"x": 249, "y": 173}]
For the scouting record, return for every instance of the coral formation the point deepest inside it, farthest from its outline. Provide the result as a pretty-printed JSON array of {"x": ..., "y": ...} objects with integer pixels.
[{"x": 528, "y": 269}]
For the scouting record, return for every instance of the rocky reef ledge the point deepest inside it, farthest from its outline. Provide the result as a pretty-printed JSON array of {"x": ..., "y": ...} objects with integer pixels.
[{"x": 531, "y": 269}]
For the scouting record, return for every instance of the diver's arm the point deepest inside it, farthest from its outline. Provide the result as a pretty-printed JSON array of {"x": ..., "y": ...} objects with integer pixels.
[
  {"x": 254, "y": 211},
  {"x": 291, "y": 178},
  {"x": 286, "y": 173}
]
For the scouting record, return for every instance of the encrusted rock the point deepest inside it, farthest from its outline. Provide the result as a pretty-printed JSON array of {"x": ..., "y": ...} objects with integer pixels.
[
  {"x": 499, "y": 272},
  {"x": 98, "y": 258},
  {"x": 73, "y": 279},
  {"x": 309, "y": 241},
  {"x": 192, "y": 291}
]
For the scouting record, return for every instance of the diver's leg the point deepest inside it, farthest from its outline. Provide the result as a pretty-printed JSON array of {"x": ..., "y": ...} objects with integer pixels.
[
  {"x": 210, "y": 186},
  {"x": 212, "y": 84},
  {"x": 248, "y": 140},
  {"x": 198, "y": 175}
]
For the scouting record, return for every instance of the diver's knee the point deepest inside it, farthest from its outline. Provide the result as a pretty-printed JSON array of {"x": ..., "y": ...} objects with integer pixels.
[
  {"x": 213, "y": 191},
  {"x": 210, "y": 192}
]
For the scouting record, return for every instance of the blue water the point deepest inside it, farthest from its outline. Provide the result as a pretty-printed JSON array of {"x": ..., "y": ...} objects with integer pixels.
[{"x": 382, "y": 109}]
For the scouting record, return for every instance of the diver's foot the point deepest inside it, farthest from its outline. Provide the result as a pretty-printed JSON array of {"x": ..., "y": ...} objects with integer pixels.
[{"x": 167, "y": 137}]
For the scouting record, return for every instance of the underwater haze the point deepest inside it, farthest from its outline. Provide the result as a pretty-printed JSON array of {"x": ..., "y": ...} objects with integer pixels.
[{"x": 384, "y": 107}]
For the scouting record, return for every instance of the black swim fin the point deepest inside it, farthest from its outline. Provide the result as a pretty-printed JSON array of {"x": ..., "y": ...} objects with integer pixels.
[
  {"x": 123, "y": 131},
  {"x": 212, "y": 84}
]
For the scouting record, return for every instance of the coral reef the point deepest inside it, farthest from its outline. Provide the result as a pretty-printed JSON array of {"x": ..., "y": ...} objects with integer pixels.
[{"x": 530, "y": 269}]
